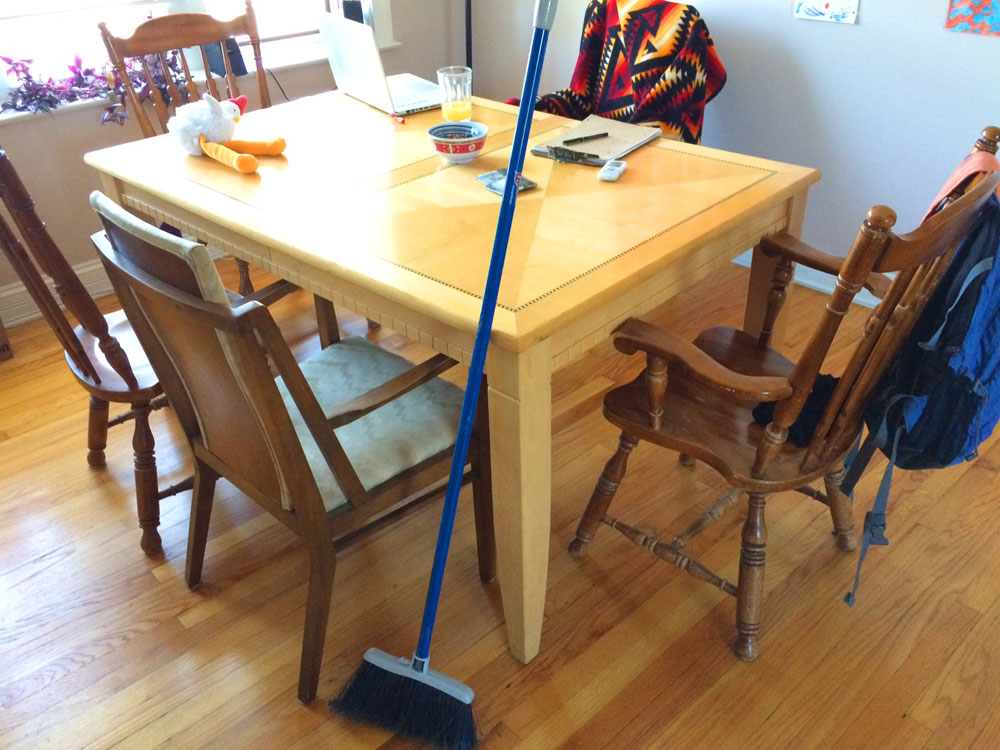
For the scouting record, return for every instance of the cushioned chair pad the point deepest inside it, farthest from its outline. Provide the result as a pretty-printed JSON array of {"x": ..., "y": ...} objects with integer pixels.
[{"x": 416, "y": 426}]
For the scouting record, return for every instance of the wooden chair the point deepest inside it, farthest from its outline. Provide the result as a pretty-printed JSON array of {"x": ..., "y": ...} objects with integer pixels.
[
  {"x": 352, "y": 437},
  {"x": 154, "y": 42},
  {"x": 102, "y": 352},
  {"x": 698, "y": 398}
]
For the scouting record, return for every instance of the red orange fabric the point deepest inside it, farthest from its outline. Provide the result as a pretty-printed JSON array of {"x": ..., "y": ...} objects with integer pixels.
[{"x": 642, "y": 61}]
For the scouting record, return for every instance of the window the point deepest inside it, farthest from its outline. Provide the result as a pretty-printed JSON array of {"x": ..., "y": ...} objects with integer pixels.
[{"x": 53, "y": 32}]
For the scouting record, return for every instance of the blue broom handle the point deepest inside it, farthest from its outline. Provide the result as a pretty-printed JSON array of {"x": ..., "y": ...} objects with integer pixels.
[{"x": 544, "y": 11}]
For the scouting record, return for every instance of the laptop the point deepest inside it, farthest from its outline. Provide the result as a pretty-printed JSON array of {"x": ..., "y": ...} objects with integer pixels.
[{"x": 357, "y": 69}]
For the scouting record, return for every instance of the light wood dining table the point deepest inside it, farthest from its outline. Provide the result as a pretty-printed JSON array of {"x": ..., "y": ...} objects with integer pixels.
[{"x": 362, "y": 212}]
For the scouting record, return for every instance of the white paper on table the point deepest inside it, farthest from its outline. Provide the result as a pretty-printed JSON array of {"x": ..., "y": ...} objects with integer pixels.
[{"x": 837, "y": 11}]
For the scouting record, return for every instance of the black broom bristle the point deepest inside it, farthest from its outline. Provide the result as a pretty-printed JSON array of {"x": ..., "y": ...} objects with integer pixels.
[{"x": 408, "y": 707}]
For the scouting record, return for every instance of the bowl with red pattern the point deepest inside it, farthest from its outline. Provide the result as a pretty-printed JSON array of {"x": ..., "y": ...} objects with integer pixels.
[{"x": 458, "y": 142}]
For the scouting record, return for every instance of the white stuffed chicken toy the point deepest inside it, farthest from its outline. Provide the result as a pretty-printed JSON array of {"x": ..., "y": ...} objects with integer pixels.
[{"x": 207, "y": 127}]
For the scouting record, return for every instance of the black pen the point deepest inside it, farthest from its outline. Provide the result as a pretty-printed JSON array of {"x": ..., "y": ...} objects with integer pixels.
[{"x": 583, "y": 138}]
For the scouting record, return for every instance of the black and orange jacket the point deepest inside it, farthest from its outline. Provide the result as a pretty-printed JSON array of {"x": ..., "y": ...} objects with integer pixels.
[{"x": 642, "y": 61}]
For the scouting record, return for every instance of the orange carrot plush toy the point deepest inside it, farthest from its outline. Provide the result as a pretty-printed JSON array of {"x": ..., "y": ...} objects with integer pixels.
[{"x": 207, "y": 127}]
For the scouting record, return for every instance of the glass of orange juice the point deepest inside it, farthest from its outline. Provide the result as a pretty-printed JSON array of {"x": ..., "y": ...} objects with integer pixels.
[{"x": 456, "y": 92}]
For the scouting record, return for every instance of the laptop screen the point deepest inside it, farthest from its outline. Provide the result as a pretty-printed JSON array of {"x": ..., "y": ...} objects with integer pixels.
[{"x": 355, "y": 60}]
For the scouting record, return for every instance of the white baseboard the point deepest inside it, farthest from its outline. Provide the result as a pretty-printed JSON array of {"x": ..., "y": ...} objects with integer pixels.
[
  {"x": 813, "y": 279},
  {"x": 16, "y": 305}
]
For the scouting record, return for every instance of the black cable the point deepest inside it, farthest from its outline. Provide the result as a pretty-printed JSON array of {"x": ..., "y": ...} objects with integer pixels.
[{"x": 278, "y": 84}]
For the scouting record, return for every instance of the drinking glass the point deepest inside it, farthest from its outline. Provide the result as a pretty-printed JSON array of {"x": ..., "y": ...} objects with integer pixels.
[{"x": 456, "y": 92}]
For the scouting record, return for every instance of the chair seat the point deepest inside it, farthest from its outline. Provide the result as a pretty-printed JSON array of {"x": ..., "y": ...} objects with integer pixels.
[
  {"x": 112, "y": 387},
  {"x": 710, "y": 424},
  {"x": 417, "y": 426}
]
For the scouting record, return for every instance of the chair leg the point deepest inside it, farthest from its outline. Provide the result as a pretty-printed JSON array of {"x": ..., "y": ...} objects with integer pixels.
[
  {"x": 322, "y": 566},
  {"x": 750, "y": 587},
  {"x": 202, "y": 495},
  {"x": 246, "y": 285},
  {"x": 482, "y": 489},
  {"x": 146, "y": 495},
  {"x": 603, "y": 494},
  {"x": 97, "y": 432},
  {"x": 841, "y": 511},
  {"x": 326, "y": 321}
]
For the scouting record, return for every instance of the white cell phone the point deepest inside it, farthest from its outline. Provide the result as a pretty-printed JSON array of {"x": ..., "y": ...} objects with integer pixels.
[{"x": 611, "y": 170}]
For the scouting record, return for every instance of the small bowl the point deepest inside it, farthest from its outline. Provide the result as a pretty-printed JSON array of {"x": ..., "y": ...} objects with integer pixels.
[{"x": 458, "y": 142}]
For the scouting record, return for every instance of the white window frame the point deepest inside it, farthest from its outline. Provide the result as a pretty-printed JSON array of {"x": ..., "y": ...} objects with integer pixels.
[{"x": 381, "y": 15}]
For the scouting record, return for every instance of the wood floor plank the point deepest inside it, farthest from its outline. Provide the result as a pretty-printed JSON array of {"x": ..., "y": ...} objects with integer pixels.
[{"x": 102, "y": 647}]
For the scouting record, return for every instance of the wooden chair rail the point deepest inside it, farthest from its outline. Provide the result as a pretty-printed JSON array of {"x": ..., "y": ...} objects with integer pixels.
[
  {"x": 635, "y": 335},
  {"x": 799, "y": 252},
  {"x": 390, "y": 390}
]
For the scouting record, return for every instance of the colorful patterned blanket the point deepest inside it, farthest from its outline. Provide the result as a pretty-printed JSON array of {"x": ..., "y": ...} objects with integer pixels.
[{"x": 642, "y": 61}]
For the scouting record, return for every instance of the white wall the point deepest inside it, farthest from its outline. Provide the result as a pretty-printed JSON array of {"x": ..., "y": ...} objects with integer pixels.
[{"x": 885, "y": 108}]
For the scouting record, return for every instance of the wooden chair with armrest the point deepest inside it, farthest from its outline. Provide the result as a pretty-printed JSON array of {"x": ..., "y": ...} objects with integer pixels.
[
  {"x": 102, "y": 351},
  {"x": 153, "y": 44},
  {"x": 698, "y": 398},
  {"x": 352, "y": 437}
]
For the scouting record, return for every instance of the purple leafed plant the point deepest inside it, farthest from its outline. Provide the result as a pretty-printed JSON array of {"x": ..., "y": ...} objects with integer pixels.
[{"x": 33, "y": 94}]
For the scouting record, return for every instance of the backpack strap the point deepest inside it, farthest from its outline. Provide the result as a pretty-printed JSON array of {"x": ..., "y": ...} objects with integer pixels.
[
  {"x": 874, "y": 528},
  {"x": 856, "y": 463},
  {"x": 983, "y": 266}
]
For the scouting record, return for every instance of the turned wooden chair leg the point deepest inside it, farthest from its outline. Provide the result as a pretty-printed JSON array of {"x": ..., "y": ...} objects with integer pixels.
[
  {"x": 146, "y": 495},
  {"x": 97, "y": 432},
  {"x": 604, "y": 493},
  {"x": 841, "y": 511},
  {"x": 246, "y": 285},
  {"x": 322, "y": 566},
  {"x": 202, "y": 495},
  {"x": 750, "y": 588}
]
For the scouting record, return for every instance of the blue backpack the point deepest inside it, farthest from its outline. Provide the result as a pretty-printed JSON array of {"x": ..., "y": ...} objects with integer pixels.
[{"x": 941, "y": 396}]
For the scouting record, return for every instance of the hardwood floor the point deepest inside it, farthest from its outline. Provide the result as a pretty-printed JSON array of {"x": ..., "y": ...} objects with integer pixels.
[{"x": 102, "y": 647}]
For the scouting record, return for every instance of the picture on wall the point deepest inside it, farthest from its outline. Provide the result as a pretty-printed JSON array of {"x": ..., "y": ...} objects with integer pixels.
[
  {"x": 974, "y": 16},
  {"x": 837, "y": 11}
]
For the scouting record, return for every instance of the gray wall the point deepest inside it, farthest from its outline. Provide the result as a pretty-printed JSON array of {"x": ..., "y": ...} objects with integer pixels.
[{"x": 885, "y": 108}]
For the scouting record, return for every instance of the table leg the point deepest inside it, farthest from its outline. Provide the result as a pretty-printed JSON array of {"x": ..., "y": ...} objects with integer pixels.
[
  {"x": 520, "y": 399},
  {"x": 5, "y": 351},
  {"x": 762, "y": 277}
]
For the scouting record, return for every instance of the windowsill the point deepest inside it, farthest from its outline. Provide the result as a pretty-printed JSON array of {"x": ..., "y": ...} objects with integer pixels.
[
  {"x": 7, "y": 118},
  {"x": 283, "y": 54}
]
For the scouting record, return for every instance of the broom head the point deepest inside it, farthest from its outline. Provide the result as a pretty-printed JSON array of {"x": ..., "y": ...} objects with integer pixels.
[{"x": 424, "y": 705}]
